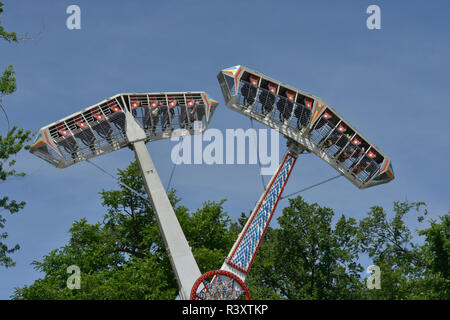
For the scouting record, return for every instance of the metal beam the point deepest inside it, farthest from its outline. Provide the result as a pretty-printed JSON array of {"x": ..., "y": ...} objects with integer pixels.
[{"x": 180, "y": 254}]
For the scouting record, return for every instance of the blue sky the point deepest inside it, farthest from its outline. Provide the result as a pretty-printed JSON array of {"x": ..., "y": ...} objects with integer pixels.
[{"x": 391, "y": 84}]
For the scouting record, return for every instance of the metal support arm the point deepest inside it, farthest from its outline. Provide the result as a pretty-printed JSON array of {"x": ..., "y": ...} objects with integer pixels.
[
  {"x": 180, "y": 254},
  {"x": 244, "y": 249},
  {"x": 228, "y": 282}
]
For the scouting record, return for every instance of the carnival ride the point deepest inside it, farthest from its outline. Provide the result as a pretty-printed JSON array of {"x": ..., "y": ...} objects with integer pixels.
[
  {"x": 310, "y": 125},
  {"x": 132, "y": 119}
]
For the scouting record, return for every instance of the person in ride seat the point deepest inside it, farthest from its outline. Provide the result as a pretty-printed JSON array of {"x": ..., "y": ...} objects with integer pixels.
[
  {"x": 368, "y": 163},
  {"x": 166, "y": 112},
  {"x": 249, "y": 91},
  {"x": 83, "y": 133},
  {"x": 151, "y": 116},
  {"x": 363, "y": 165},
  {"x": 303, "y": 113},
  {"x": 267, "y": 99},
  {"x": 351, "y": 151},
  {"x": 188, "y": 112},
  {"x": 334, "y": 137},
  {"x": 338, "y": 137},
  {"x": 285, "y": 107}
]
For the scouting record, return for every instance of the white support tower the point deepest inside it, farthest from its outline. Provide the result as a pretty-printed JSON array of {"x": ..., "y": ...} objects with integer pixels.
[{"x": 132, "y": 120}]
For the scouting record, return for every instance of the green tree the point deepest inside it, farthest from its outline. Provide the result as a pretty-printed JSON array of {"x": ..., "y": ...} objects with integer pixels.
[
  {"x": 10, "y": 145},
  {"x": 437, "y": 239},
  {"x": 409, "y": 270},
  {"x": 308, "y": 258},
  {"x": 312, "y": 254},
  {"x": 123, "y": 257}
]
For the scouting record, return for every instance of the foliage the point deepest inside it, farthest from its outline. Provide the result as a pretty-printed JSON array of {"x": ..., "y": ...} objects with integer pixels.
[
  {"x": 123, "y": 257},
  {"x": 308, "y": 258},
  {"x": 8, "y": 36},
  {"x": 10, "y": 145},
  {"x": 409, "y": 270},
  {"x": 311, "y": 254}
]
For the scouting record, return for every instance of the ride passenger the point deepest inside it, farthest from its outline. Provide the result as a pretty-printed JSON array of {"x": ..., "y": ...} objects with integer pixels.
[
  {"x": 366, "y": 164},
  {"x": 167, "y": 111},
  {"x": 285, "y": 107},
  {"x": 267, "y": 99},
  {"x": 334, "y": 137},
  {"x": 303, "y": 113},
  {"x": 151, "y": 116},
  {"x": 188, "y": 112},
  {"x": 249, "y": 91},
  {"x": 351, "y": 151}
]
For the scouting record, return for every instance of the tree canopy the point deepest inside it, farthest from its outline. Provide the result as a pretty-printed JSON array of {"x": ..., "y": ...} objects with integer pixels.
[
  {"x": 311, "y": 254},
  {"x": 123, "y": 257},
  {"x": 11, "y": 144}
]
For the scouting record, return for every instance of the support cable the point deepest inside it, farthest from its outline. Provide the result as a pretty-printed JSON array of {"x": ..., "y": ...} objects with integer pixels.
[
  {"x": 259, "y": 162},
  {"x": 170, "y": 177},
  {"x": 137, "y": 193},
  {"x": 173, "y": 169},
  {"x": 312, "y": 186},
  {"x": 6, "y": 115}
]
